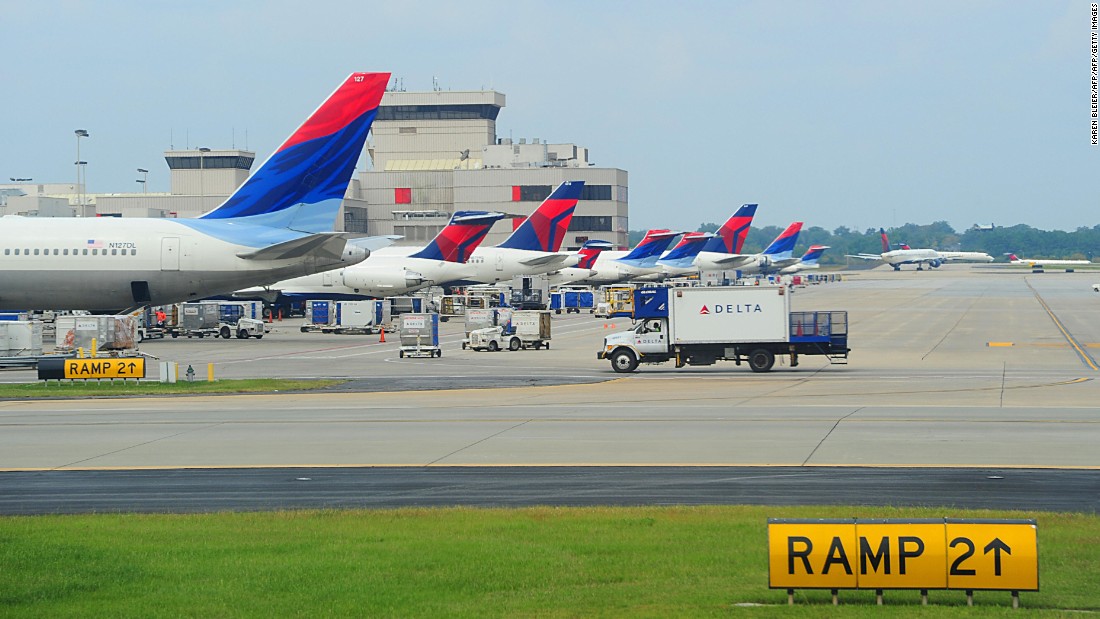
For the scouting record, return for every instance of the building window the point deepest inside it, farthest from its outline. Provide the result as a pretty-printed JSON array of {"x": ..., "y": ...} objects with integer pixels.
[
  {"x": 596, "y": 223},
  {"x": 402, "y": 195},
  {"x": 596, "y": 192},
  {"x": 531, "y": 193},
  {"x": 439, "y": 112},
  {"x": 406, "y": 130}
]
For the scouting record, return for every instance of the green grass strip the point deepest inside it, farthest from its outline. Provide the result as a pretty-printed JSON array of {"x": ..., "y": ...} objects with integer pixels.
[
  {"x": 459, "y": 562},
  {"x": 67, "y": 389}
]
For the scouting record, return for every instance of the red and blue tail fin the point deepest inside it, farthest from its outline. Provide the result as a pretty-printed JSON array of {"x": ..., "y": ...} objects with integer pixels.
[
  {"x": 590, "y": 251},
  {"x": 683, "y": 255},
  {"x": 650, "y": 248},
  {"x": 460, "y": 237},
  {"x": 302, "y": 185},
  {"x": 813, "y": 254},
  {"x": 885, "y": 241},
  {"x": 545, "y": 229},
  {"x": 783, "y": 245},
  {"x": 731, "y": 236}
]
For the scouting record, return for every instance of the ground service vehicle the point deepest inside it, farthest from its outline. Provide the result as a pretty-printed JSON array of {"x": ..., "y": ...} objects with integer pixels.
[
  {"x": 485, "y": 318},
  {"x": 224, "y": 318},
  {"x": 528, "y": 329},
  {"x": 698, "y": 326}
]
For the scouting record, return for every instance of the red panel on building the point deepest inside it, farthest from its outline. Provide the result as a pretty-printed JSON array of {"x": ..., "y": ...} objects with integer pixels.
[
  {"x": 402, "y": 195},
  {"x": 515, "y": 193},
  {"x": 517, "y": 222}
]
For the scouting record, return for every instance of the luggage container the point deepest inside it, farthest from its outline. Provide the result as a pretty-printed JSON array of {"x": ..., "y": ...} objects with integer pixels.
[
  {"x": 532, "y": 327},
  {"x": 419, "y": 336},
  {"x": 109, "y": 332},
  {"x": 320, "y": 316},
  {"x": 573, "y": 300},
  {"x": 361, "y": 316},
  {"x": 20, "y": 338}
]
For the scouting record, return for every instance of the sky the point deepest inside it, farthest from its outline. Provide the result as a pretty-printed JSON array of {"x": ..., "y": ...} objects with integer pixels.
[{"x": 857, "y": 114}]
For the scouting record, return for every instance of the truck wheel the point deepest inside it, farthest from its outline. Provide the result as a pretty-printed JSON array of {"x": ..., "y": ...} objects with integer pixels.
[
  {"x": 260, "y": 336},
  {"x": 304, "y": 329},
  {"x": 493, "y": 346},
  {"x": 761, "y": 360},
  {"x": 226, "y": 334},
  {"x": 514, "y": 344},
  {"x": 624, "y": 362}
]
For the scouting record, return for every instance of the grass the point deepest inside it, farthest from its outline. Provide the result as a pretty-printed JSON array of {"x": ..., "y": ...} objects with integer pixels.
[
  {"x": 460, "y": 562},
  {"x": 66, "y": 389}
]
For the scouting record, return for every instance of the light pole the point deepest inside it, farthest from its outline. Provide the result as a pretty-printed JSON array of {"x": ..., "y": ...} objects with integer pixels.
[
  {"x": 80, "y": 133},
  {"x": 202, "y": 186},
  {"x": 144, "y": 180}
]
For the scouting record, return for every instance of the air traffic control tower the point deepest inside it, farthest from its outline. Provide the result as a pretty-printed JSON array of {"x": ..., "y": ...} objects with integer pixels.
[{"x": 436, "y": 152}]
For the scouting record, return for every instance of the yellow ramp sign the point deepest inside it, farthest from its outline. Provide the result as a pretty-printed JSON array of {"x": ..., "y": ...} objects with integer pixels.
[
  {"x": 997, "y": 555},
  {"x": 920, "y": 554},
  {"x": 91, "y": 368}
]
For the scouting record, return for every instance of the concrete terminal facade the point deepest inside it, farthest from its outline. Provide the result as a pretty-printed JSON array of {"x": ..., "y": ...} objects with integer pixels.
[{"x": 430, "y": 154}]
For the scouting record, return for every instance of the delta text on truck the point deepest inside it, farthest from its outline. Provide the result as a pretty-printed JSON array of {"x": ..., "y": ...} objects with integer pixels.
[{"x": 702, "y": 325}]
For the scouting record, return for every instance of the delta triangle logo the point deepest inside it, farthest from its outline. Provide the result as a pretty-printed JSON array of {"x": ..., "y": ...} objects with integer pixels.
[{"x": 704, "y": 310}]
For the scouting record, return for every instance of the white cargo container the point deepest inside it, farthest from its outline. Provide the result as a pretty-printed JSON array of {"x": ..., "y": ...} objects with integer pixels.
[
  {"x": 713, "y": 315},
  {"x": 21, "y": 338},
  {"x": 532, "y": 327},
  {"x": 361, "y": 316}
]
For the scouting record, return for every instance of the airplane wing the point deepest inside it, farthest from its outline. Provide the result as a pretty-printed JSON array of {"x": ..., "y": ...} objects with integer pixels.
[
  {"x": 328, "y": 244},
  {"x": 781, "y": 264},
  {"x": 864, "y": 256},
  {"x": 548, "y": 259},
  {"x": 733, "y": 260},
  {"x": 371, "y": 243}
]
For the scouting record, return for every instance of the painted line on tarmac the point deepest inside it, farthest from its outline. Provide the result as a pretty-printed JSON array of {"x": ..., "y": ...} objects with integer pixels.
[
  {"x": 1085, "y": 357},
  {"x": 482, "y": 465}
]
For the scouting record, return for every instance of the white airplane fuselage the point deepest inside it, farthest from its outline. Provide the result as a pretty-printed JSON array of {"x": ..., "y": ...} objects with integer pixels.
[
  {"x": 102, "y": 264},
  {"x": 489, "y": 265},
  {"x": 389, "y": 272}
]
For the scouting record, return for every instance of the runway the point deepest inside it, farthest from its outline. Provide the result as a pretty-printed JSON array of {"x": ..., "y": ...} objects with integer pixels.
[{"x": 953, "y": 372}]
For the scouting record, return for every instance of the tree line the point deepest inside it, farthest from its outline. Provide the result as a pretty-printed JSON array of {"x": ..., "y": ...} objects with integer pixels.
[{"x": 1022, "y": 240}]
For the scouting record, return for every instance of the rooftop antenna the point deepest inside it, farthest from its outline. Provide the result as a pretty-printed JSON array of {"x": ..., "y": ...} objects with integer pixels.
[{"x": 435, "y": 83}]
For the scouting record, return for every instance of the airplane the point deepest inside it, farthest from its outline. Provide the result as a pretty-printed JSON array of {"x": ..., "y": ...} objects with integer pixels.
[
  {"x": 278, "y": 224},
  {"x": 808, "y": 260},
  {"x": 775, "y": 256},
  {"x": 395, "y": 270},
  {"x": 617, "y": 266},
  {"x": 586, "y": 258},
  {"x": 730, "y": 238},
  {"x": 1013, "y": 259},
  {"x": 680, "y": 260},
  {"x": 532, "y": 249},
  {"x": 960, "y": 256},
  {"x": 897, "y": 257}
]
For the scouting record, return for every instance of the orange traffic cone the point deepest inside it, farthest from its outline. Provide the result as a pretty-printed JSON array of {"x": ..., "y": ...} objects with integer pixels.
[{"x": 382, "y": 336}]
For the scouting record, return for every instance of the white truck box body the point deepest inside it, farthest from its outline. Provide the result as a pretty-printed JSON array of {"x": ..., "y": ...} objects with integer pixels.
[{"x": 729, "y": 314}]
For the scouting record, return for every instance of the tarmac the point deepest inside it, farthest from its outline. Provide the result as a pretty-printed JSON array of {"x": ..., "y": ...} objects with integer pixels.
[{"x": 962, "y": 368}]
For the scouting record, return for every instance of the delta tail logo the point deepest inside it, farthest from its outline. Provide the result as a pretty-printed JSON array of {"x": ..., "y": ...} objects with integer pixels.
[{"x": 704, "y": 310}]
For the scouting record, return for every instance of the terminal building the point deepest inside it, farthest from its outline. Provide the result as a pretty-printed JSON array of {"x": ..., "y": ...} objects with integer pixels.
[{"x": 429, "y": 154}]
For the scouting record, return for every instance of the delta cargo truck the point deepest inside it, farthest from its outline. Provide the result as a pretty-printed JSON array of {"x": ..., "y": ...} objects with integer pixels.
[{"x": 699, "y": 326}]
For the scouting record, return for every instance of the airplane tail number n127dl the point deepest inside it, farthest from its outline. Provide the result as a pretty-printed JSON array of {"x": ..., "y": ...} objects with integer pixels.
[{"x": 277, "y": 225}]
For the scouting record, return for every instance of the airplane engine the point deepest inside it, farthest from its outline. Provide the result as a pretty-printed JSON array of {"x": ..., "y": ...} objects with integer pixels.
[
  {"x": 396, "y": 280},
  {"x": 935, "y": 264}
]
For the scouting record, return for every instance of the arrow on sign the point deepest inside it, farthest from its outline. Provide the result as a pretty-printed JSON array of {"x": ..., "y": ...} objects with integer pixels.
[
  {"x": 132, "y": 366},
  {"x": 997, "y": 546}
]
